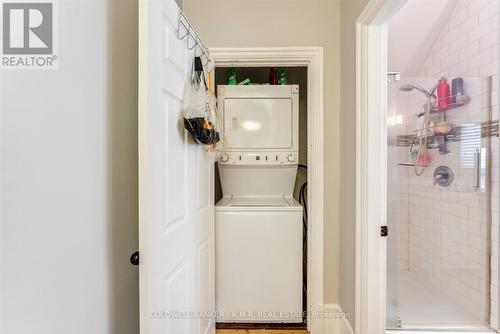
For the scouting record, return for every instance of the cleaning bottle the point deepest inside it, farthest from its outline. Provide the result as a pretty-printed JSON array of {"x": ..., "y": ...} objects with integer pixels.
[
  {"x": 273, "y": 76},
  {"x": 443, "y": 94},
  {"x": 231, "y": 80},
  {"x": 247, "y": 81},
  {"x": 282, "y": 77}
]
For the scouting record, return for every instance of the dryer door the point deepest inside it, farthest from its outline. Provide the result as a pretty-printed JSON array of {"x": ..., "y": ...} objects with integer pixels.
[{"x": 258, "y": 123}]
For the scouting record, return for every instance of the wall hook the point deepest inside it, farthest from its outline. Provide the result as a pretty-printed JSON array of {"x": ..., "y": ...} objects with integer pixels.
[{"x": 190, "y": 33}]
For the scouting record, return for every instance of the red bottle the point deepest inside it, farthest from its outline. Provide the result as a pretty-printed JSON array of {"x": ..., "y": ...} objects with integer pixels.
[
  {"x": 443, "y": 94},
  {"x": 273, "y": 76}
]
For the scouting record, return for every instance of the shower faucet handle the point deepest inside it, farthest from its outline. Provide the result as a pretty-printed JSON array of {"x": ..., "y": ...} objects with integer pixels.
[
  {"x": 443, "y": 176},
  {"x": 438, "y": 177}
]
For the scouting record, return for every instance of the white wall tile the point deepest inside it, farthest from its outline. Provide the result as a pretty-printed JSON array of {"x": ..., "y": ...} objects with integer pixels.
[
  {"x": 469, "y": 24},
  {"x": 469, "y": 51},
  {"x": 479, "y": 31},
  {"x": 489, "y": 40}
]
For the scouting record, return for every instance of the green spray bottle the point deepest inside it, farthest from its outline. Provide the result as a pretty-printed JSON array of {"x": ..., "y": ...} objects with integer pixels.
[
  {"x": 231, "y": 79},
  {"x": 282, "y": 76}
]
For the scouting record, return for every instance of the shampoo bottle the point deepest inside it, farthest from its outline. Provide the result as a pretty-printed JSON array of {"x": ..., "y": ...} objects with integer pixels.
[
  {"x": 443, "y": 94},
  {"x": 457, "y": 91}
]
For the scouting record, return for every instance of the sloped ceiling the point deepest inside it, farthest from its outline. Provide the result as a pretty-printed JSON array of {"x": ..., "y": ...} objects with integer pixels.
[{"x": 413, "y": 31}]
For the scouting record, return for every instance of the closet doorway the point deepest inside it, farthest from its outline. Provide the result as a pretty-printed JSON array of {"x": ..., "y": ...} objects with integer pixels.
[{"x": 311, "y": 59}]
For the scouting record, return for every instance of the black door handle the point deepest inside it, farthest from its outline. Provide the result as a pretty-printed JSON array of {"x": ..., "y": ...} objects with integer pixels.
[{"x": 134, "y": 258}]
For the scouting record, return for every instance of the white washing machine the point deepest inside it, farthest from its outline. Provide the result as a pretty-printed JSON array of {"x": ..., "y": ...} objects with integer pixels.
[{"x": 258, "y": 222}]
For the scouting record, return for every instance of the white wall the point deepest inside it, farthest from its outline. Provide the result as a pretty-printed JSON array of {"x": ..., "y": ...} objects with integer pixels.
[
  {"x": 409, "y": 39},
  {"x": 68, "y": 180},
  {"x": 268, "y": 23}
]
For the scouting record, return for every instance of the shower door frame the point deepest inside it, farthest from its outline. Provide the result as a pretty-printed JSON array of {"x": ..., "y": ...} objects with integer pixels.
[
  {"x": 371, "y": 168},
  {"x": 371, "y": 165}
]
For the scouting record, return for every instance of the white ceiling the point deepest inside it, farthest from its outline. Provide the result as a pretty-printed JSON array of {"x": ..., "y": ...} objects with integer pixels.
[{"x": 412, "y": 32}]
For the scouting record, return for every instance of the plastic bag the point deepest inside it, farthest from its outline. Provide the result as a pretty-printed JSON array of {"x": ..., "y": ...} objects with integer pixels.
[
  {"x": 199, "y": 112},
  {"x": 216, "y": 117}
]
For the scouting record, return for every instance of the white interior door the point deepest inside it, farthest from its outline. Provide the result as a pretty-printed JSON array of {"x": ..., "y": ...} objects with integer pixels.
[{"x": 176, "y": 227}]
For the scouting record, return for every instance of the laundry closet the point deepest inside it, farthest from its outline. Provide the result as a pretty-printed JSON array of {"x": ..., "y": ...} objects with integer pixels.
[
  {"x": 260, "y": 196},
  {"x": 225, "y": 239}
]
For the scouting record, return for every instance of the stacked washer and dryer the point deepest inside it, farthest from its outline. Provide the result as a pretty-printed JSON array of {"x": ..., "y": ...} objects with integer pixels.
[{"x": 258, "y": 222}]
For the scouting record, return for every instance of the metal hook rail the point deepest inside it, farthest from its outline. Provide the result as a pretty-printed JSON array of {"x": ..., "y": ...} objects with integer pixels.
[{"x": 185, "y": 29}]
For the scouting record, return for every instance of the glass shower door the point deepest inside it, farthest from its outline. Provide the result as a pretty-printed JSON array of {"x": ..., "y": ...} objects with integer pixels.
[
  {"x": 439, "y": 208},
  {"x": 397, "y": 202}
]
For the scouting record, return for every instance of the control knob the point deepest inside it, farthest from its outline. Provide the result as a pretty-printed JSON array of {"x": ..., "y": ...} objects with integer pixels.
[
  {"x": 224, "y": 158},
  {"x": 291, "y": 157}
]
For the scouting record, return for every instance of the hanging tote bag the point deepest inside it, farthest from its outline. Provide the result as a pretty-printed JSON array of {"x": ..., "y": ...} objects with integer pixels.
[{"x": 199, "y": 116}]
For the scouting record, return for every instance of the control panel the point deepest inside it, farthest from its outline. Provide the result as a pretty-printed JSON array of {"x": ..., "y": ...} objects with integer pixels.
[{"x": 261, "y": 158}]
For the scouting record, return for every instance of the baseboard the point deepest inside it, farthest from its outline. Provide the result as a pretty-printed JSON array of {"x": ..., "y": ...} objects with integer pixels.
[
  {"x": 335, "y": 320},
  {"x": 259, "y": 325}
]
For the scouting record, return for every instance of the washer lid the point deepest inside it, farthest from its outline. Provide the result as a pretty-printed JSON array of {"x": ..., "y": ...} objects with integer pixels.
[
  {"x": 258, "y": 181},
  {"x": 258, "y": 201}
]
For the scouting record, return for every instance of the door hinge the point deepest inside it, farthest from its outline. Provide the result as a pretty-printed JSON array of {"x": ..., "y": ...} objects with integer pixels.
[{"x": 384, "y": 231}]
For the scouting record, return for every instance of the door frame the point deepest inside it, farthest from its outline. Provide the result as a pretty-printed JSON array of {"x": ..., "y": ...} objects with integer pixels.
[
  {"x": 371, "y": 164},
  {"x": 312, "y": 58},
  {"x": 371, "y": 150}
]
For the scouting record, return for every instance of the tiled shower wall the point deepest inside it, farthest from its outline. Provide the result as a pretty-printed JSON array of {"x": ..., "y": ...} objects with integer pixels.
[{"x": 447, "y": 227}]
